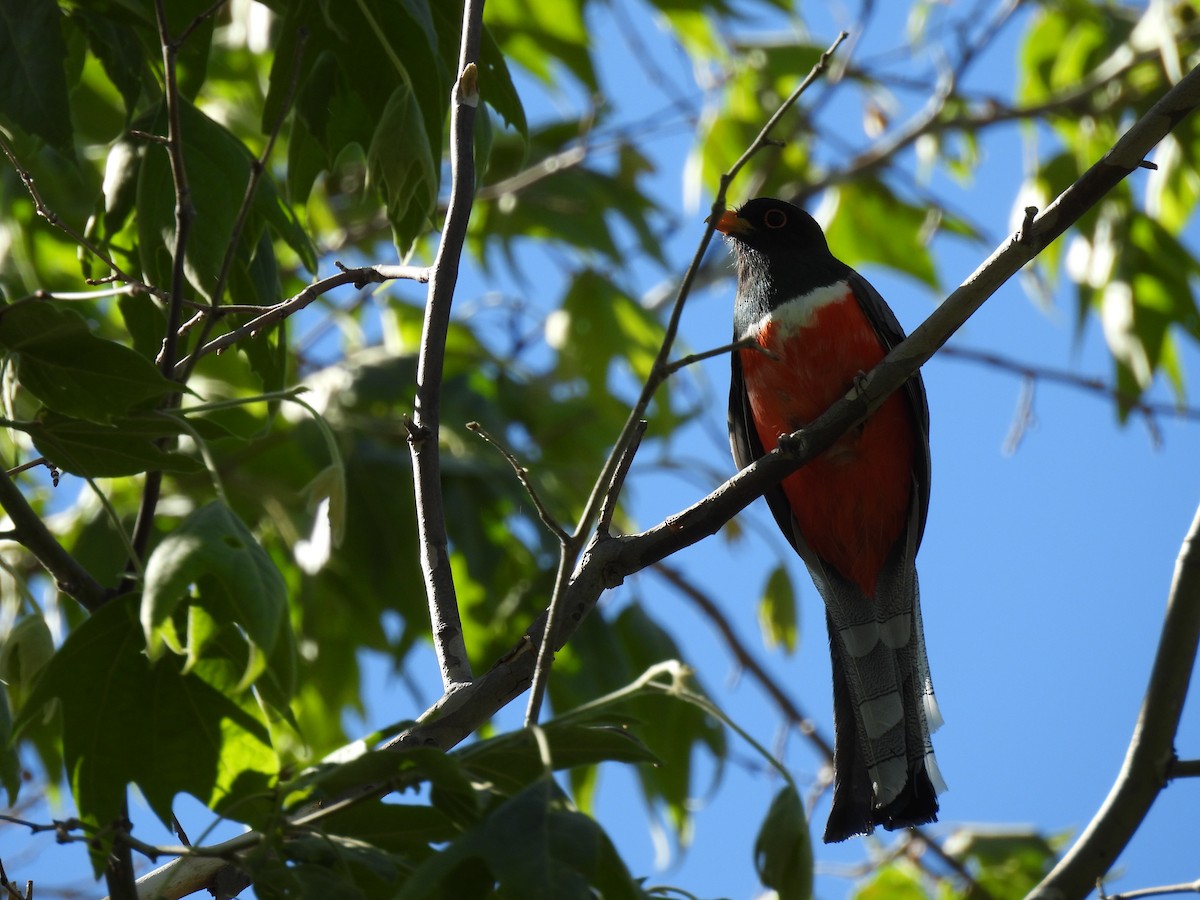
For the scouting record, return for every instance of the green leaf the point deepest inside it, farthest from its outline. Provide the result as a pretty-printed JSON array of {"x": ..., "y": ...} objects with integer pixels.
[
  {"x": 235, "y": 578},
  {"x": 605, "y": 657},
  {"x": 512, "y": 760},
  {"x": 872, "y": 225},
  {"x": 27, "y": 647},
  {"x": 33, "y": 81},
  {"x": 1007, "y": 862},
  {"x": 129, "y": 446},
  {"x": 10, "y": 761},
  {"x": 783, "y": 849},
  {"x": 72, "y": 371},
  {"x": 116, "y": 45},
  {"x": 576, "y": 205},
  {"x": 496, "y": 86},
  {"x": 599, "y": 316},
  {"x": 402, "y": 168},
  {"x": 777, "y": 611},
  {"x": 544, "y": 37},
  {"x": 125, "y": 720},
  {"x": 393, "y": 826},
  {"x": 900, "y": 880},
  {"x": 535, "y": 847},
  {"x": 218, "y": 169}
]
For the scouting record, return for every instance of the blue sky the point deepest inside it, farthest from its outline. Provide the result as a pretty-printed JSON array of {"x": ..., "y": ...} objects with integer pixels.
[{"x": 1044, "y": 571}]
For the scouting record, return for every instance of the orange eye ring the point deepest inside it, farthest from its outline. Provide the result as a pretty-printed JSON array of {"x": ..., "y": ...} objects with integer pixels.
[{"x": 775, "y": 218}]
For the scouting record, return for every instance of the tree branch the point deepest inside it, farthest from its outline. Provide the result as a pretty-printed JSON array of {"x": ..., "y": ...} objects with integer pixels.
[
  {"x": 423, "y": 441},
  {"x": 1151, "y": 750},
  {"x": 30, "y": 531},
  {"x": 1083, "y": 382},
  {"x": 746, "y": 660},
  {"x": 280, "y": 311},
  {"x": 40, "y": 207}
]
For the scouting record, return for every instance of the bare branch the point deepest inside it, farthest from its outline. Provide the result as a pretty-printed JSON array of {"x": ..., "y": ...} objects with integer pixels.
[
  {"x": 427, "y": 473},
  {"x": 280, "y": 311},
  {"x": 40, "y": 207},
  {"x": 522, "y": 474},
  {"x": 1060, "y": 376},
  {"x": 1184, "y": 768},
  {"x": 1148, "y": 761},
  {"x": 691, "y": 359},
  {"x": 609, "y": 507},
  {"x": 1192, "y": 887},
  {"x": 30, "y": 531}
]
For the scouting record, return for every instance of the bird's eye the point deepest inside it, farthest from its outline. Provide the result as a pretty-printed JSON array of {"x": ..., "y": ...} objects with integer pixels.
[{"x": 775, "y": 218}]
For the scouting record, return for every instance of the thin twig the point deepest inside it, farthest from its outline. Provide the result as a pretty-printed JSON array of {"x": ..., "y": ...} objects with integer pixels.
[
  {"x": 1184, "y": 768},
  {"x": 1062, "y": 376},
  {"x": 40, "y": 207},
  {"x": 200, "y": 19},
  {"x": 609, "y": 507},
  {"x": 1191, "y": 887},
  {"x": 545, "y": 641},
  {"x": 258, "y": 168},
  {"x": 568, "y": 553},
  {"x": 746, "y": 343},
  {"x": 745, "y": 659},
  {"x": 522, "y": 474},
  {"x": 185, "y": 212},
  {"x": 280, "y": 311},
  {"x": 444, "y": 617}
]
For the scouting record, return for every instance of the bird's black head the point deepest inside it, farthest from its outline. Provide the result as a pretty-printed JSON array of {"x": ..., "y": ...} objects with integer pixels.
[{"x": 780, "y": 250}]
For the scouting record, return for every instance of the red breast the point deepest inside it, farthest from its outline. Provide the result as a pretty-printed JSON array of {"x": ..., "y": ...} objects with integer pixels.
[{"x": 851, "y": 504}]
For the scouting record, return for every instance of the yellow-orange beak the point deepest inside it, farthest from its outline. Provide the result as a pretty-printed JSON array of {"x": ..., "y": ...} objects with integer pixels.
[{"x": 729, "y": 222}]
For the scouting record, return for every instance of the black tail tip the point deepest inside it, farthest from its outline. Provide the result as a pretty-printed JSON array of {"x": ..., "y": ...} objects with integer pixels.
[{"x": 916, "y": 805}]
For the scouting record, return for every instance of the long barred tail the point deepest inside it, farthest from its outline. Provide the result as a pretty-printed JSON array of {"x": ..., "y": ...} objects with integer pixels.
[{"x": 883, "y": 704}]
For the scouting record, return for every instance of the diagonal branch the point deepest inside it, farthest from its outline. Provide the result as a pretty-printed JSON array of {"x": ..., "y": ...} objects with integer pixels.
[
  {"x": 30, "y": 531},
  {"x": 1151, "y": 751},
  {"x": 273, "y": 315}
]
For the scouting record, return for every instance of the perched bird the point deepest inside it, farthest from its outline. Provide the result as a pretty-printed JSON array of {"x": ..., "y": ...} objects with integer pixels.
[{"x": 855, "y": 514}]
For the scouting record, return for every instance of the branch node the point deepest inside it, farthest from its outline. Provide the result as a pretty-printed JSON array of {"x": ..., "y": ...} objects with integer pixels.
[
  {"x": 417, "y": 434},
  {"x": 1025, "y": 236}
]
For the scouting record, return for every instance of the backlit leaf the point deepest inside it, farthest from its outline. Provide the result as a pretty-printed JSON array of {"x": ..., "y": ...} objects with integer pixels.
[
  {"x": 126, "y": 720},
  {"x": 235, "y": 581}
]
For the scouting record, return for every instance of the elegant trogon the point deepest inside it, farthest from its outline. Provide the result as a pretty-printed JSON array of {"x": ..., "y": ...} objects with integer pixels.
[{"x": 855, "y": 514}]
